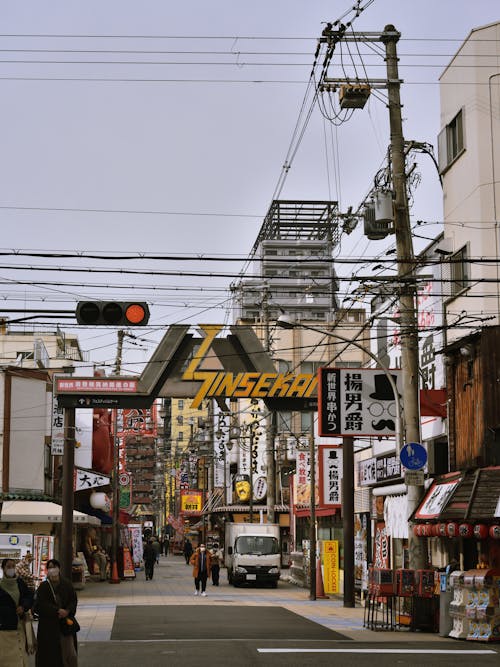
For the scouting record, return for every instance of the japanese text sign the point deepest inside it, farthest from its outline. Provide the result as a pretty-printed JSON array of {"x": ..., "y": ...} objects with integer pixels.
[{"x": 356, "y": 401}]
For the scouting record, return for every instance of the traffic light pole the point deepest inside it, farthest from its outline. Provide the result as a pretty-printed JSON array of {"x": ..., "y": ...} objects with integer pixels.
[{"x": 406, "y": 272}]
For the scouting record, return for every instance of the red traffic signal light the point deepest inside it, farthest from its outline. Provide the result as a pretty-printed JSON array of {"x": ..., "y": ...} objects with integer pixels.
[{"x": 112, "y": 313}]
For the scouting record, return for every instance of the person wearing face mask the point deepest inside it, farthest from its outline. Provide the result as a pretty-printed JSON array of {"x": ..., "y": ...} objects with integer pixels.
[
  {"x": 201, "y": 561},
  {"x": 15, "y": 600},
  {"x": 55, "y": 599}
]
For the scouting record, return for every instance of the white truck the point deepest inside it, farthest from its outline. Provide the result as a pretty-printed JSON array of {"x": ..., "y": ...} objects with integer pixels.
[{"x": 252, "y": 553}]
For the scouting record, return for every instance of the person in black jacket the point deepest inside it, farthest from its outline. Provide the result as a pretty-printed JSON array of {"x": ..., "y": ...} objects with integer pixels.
[
  {"x": 149, "y": 556},
  {"x": 188, "y": 550},
  {"x": 55, "y": 599},
  {"x": 15, "y": 600}
]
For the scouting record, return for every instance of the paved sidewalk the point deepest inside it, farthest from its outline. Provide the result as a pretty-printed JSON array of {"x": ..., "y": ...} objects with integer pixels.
[{"x": 172, "y": 584}]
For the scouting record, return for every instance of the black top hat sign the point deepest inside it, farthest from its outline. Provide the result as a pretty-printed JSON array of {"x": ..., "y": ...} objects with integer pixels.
[{"x": 383, "y": 390}]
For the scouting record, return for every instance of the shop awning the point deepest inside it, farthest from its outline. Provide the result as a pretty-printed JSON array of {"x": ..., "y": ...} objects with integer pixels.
[
  {"x": 469, "y": 496},
  {"x": 104, "y": 517},
  {"x": 34, "y": 511}
]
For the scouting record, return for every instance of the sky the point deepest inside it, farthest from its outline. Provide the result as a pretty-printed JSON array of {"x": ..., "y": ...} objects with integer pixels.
[{"x": 162, "y": 128}]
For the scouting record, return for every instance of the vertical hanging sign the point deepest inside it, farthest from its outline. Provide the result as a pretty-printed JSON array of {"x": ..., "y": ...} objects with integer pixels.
[
  {"x": 57, "y": 429},
  {"x": 330, "y": 475}
]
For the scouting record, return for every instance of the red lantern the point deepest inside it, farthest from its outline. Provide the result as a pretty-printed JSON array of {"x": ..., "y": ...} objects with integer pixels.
[
  {"x": 427, "y": 529},
  {"x": 465, "y": 530},
  {"x": 452, "y": 529},
  {"x": 495, "y": 532},
  {"x": 480, "y": 531},
  {"x": 435, "y": 530},
  {"x": 416, "y": 530},
  {"x": 442, "y": 532}
]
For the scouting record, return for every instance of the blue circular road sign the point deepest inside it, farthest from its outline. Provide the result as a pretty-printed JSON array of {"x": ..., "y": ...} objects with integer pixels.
[{"x": 413, "y": 456}]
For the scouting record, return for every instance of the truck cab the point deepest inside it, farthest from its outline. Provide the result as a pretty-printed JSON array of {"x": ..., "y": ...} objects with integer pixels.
[{"x": 254, "y": 558}]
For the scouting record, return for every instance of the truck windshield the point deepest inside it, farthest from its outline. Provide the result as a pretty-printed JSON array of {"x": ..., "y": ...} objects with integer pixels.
[{"x": 263, "y": 545}]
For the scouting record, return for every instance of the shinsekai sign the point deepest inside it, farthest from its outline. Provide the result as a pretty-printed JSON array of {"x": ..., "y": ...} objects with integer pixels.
[
  {"x": 249, "y": 384},
  {"x": 209, "y": 367}
]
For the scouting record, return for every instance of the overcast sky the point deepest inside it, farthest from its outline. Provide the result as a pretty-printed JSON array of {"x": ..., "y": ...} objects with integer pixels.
[{"x": 162, "y": 127}]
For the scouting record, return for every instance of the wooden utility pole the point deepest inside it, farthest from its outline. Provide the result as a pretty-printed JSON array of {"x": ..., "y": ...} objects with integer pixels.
[{"x": 406, "y": 271}]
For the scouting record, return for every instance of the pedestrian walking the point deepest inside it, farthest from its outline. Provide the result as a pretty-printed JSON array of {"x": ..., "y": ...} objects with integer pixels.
[
  {"x": 166, "y": 544},
  {"x": 102, "y": 562},
  {"x": 157, "y": 549},
  {"x": 56, "y": 600},
  {"x": 216, "y": 560},
  {"x": 201, "y": 561},
  {"x": 15, "y": 601},
  {"x": 149, "y": 556},
  {"x": 188, "y": 550}
]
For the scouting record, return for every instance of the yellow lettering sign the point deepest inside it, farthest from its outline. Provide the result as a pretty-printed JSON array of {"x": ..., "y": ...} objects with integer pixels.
[{"x": 244, "y": 385}]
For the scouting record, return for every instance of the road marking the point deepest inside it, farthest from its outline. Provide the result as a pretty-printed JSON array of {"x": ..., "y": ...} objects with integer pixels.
[{"x": 380, "y": 650}]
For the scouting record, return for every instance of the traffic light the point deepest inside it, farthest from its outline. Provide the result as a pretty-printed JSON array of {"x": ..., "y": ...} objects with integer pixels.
[{"x": 112, "y": 313}]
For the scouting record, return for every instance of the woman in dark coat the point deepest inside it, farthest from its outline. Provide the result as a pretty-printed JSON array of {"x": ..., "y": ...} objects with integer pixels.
[
  {"x": 55, "y": 599},
  {"x": 15, "y": 600}
]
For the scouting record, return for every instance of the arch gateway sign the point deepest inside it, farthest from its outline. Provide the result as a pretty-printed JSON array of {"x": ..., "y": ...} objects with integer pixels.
[{"x": 184, "y": 366}]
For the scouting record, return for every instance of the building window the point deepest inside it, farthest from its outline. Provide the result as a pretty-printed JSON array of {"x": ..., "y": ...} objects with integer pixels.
[
  {"x": 306, "y": 422},
  {"x": 284, "y": 422},
  {"x": 180, "y": 404},
  {"x": 311, "y": 366},
  {"x": 180, "y": 435},
  {"x": 451, "y": 142},
  {"x": 458, "y": 271},
  {"x": 180, "y": 420}
]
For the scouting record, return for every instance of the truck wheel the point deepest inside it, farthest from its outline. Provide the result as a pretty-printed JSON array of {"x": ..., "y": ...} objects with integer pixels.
[{"x": 274, "y": 584}]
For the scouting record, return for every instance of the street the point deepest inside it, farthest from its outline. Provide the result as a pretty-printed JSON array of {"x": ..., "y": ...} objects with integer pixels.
[{"x": 161, "y": 622}]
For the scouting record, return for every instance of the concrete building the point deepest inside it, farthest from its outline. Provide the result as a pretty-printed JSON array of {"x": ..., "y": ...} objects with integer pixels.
[
  {"x": 37, "y": 348},
  {"x": 469, "y": 161},
  {"x": 292, "y": 264}
]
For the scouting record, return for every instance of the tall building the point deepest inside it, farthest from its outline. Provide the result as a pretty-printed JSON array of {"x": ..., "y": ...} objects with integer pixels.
[
  {"x": 292, "y": 266},
  {"x": 469, "y": 161}
]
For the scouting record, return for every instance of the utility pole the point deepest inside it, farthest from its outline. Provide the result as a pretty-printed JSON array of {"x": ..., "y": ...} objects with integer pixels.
[
  {"x": 312, "y": 518},
  {"x": 115, "y": 528},
  {"x": 348, "y": 519},
  {"x": 406, "y": 269},
  {"x": 68, "y": 494},
  {"x": 271, "y": 424}
]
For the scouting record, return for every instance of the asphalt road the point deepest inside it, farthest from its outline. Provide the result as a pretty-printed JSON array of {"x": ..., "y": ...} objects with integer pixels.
[
  {"x": 266, "y": 653},
  {"x": 160, "y": 622},
  {"x": 190, "y": 635}
]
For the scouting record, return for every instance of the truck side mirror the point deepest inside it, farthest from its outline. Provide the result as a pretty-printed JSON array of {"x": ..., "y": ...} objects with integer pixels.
[{"x": 230, "y": 551}]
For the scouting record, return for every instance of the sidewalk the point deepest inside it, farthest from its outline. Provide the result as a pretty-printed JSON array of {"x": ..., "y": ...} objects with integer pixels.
[{"x": 172, "y": 584}]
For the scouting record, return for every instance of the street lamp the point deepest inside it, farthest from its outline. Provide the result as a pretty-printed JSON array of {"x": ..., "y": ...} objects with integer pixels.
[{"x": 286, "y": 322}]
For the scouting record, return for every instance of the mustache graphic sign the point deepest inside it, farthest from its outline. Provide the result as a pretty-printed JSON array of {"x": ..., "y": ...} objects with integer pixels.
[{"x": 357, "y": 402}]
